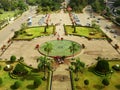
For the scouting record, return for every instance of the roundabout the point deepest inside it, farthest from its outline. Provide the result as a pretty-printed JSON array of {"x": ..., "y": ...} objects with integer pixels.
[{"x": 60, "y": 48}]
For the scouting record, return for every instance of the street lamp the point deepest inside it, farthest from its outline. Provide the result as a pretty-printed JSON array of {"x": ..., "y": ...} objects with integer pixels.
[{"x": 111, "y": 72}]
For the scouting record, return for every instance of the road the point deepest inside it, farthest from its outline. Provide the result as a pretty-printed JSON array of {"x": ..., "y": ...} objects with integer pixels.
[{"x": 8, "y": 31}]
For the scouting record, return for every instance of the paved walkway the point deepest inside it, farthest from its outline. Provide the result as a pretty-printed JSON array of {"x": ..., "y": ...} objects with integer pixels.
[
  {"x": 61, "y": 78},
  {"x": 60, "y": 28}
]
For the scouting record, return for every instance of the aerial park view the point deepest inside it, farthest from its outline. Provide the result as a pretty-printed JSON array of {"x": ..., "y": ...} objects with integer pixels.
[{"x": 59, "y": 44}]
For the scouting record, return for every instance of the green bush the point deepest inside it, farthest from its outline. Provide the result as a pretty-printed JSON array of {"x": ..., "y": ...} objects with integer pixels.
[
  {"x": 86, "y": 82},
  {"x": 102, "y": 66},
  {"x": 16, "y": 85},
  {"x": 105, "y": 82},
  {"x": 12, "y": 58},
  {"x": 1, "y": 81},
  {"x": 20, "y": 70},
  {"x": 37, "y": 82}
]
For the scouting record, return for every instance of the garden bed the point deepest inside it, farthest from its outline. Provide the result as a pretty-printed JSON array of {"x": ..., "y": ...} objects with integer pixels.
[
  {"x": 26, "y": 82},
  {"x": 83, "y": 31},
  {"x": 95, "y": 81},
  {"x": 34, "y": 32}
]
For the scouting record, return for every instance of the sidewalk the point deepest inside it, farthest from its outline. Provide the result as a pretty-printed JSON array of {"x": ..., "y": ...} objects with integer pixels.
[{"x": 61, "y": 78}]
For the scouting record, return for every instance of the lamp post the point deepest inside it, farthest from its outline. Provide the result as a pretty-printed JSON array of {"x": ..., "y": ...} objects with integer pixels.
[{"x": 111, "y": 72}]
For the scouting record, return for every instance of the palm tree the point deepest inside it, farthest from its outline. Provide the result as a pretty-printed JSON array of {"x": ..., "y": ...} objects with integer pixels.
[
  {"x": 45, "y": 29},
  {"x": 78, "y": 67},
  {"x": 73, "y": 48},
  {"x": 24, "y": 26},
  {"x": 48, "y": 48},
  {"x": 43, "y": 65},
  {"x": 74, "y": 27}
]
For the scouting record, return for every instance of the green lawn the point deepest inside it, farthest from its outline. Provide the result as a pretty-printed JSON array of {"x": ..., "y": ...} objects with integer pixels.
[
  {"x": 7, "y": 14},
  {"x": 95, "y": 82},
  {"x": 84, "y": 31},
  {"x": 60, "y": 48},
  {"x": 34, "y": 32},
  {"x": 27, "y": 81}
]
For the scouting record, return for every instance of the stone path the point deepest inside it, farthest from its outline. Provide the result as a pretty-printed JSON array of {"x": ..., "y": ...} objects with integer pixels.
[
  {"x": 61, "y": 78},
  {"x": 60, "y": 27}
]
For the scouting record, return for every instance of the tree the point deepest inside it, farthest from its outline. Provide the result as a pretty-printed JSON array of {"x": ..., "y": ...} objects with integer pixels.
[
  {"x": 74, "y": 28},
  {"x": 24, "y": 26},
  {"x": 77, "y": 5},
  {"x": 98, "y": 5},
  {"x": 11, "y": 5},
  {"x": 1, "y": 81},
  {"x": 22, "y": 6},
  {"x": 12, "y": 58},
  {"x": 48, "y": 48},
  {"x": 79, "y": 66},
  {"x": 102, "y": 66},
  {"x": 45, "y": 29},
  {"x": 16, "y": 85},
  {"x": 43, "y": 65},
  {"x": 86, "y": 82},
  {"x": 20, "y": 70},
  {"x": 73, "y": 48},
  {"x": 105, "y": 82},
  {"x": 37, "y": 82}
]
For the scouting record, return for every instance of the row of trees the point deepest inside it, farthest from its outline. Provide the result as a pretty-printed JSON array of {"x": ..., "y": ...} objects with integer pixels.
[
  {"x": 48, "y": 5},
  {"x": 78, "y": 5},
  {"x": 11, "y": 5},
  {"x": 98, "y": 5}
]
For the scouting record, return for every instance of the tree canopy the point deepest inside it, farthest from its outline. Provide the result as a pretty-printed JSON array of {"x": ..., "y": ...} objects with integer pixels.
[
  {"x": 11, "y": 5},
  {"x": 12, "y": 58},
  {"x": 102, "y": 66},
  {"x": 20, "y": 70},
  {"x": 77, "y": 5}
]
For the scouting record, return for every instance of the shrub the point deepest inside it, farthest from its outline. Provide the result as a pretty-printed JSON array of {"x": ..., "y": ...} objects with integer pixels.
[
  {"x": 37, "y": 82},
  {"x": 16, "y": 85},
  {"x": 12, "y": 58},
  {"x": 105, "y": 82},
  {"x": 20, "y": 70},
  {"x": 1, "y": 81},
  {"x": 102, "y": 66},
  {"x": 86, "y": 82}
]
